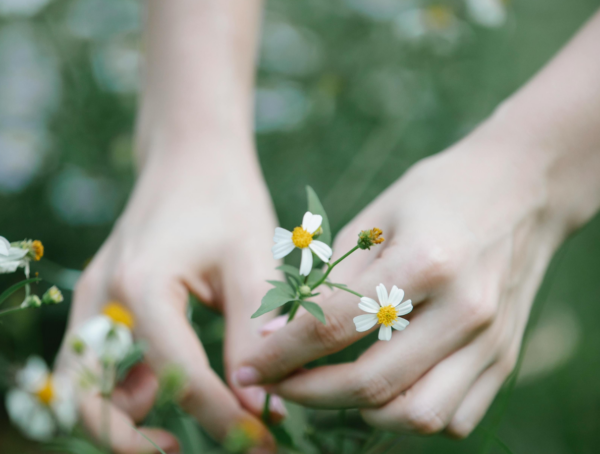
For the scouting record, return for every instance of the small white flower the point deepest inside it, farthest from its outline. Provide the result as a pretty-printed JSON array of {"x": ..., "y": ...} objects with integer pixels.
[
  {"x": 41, "y": 404},
  {"x": 302, "y": 238},
  {"x": 108, "y": 335},
  {"x": 387, "y": 312},
  {"x": 11, "y": 257}
]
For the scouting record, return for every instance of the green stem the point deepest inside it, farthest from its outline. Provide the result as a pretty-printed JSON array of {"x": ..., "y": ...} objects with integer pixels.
[
  {"x": 266, "y": 413},
  {"x": 293, "y": 310},
  {"x": 340, "y": 440},
  {"x": 14, "y": 309},
  {"x": 346, "y": 289},
  {"x": 332, "y": 266}
]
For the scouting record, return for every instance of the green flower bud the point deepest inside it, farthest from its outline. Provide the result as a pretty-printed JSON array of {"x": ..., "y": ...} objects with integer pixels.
[
  {"x": 368, "y": 238},
  {"x": 78, "y": 346},
  {"x": 32, "y": 301},
  {"x": 305, "y": 290},
  {"x": 52, "y": 296}
]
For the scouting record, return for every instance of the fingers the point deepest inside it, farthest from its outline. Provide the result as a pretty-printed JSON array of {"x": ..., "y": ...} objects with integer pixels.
[
  {"x": 306, "y": 339},
  {"x": 172, "y": 341},
  {"x": 110, "y": 425},
  {"x": 383, "y": 371},
  {"x": 429, "y": 405},
  {"x": 136, "y": 393}
]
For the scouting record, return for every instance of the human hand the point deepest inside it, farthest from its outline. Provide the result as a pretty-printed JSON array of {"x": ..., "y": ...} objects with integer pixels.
[
  {"x": 199, "y": 224},
  {"x": 469, "y": 234}
]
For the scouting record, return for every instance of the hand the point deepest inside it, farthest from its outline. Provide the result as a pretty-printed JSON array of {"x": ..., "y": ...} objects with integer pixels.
[
  {"x": 203, "y": 225},
  {"x": 468, "y": 237}
]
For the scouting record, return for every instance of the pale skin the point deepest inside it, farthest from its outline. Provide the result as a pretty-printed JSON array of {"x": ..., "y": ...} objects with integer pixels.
[{"x": 469, "y": 234}]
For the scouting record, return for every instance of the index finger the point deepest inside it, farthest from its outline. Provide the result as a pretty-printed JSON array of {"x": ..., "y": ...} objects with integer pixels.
[{"x": 306, "y": 339}]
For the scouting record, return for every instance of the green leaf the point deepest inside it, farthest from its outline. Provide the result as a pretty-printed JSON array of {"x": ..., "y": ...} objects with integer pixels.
[
  {"x": 290, "y": 270},
  {"x": 10, "y": 290},
  {"x": 314, "y": 276},
  {"x": 133, "y": 357},
  {"x": 315, "y": 207},
  {"x": 315, "y": 310},
  {"x": 282, "y": 286},
  {"x": 149, "y": 440},
  {"x": 72, "y": 445},
  {"x": 274, "y": 298},
  {"x": 282, "y": 436}
]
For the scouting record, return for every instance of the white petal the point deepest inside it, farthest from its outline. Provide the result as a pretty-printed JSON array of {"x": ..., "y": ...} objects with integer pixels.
[
  {"x": 20, "y": 405},
  {"x": 400, "y": 324},
  {"x": 281, "y": 234},
  {"x": 64, "y": 405},
  {"x": 323, "y": 251},
  {"x": 311, "y": 222},
  {"x": 41, "y": 426},
  {"x": 306, "y": 262},
  {"x": 396, "y": 296},
  {"x": 94, "y": 331},
  {"x": 385, "y": 333},
  {"x": 118, "y": 343},
  {"x": 283, "y": 248},
  {"x": 33, "y": 376},
  {"x": 404, "y": 308},
  {"x": 365, "y": 322},
  {"x": 4, "y": 246},
  {"x": 382, "y": 295},
  {"x": 368, "y": 305}
]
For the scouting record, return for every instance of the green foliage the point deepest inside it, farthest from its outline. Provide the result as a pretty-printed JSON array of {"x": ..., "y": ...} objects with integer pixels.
[
  {"x": 314, "y": 276},
  {"x": 276, "y": 297},
  {"x": 315, "y": 310},
  {"x": 12, "y": 289},
  {"x": 134, "y": 356},
  {"x": 316, "y": 207}
]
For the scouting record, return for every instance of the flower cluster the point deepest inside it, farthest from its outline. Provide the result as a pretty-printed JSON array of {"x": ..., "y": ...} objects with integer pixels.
[
  {"x": 19, "y": 254},
  {"x": 41, "y": 404}
]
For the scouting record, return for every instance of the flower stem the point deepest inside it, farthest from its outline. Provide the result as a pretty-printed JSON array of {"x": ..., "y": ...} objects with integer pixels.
[
  {"x": 293, "y": 311},
  {"x": 331, "y": 266},
  {"x": 14, "y": 309},
  {"x": 346, "y": 289}
]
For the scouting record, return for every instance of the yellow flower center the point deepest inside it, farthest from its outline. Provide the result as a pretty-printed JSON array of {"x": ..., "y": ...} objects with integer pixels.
[
  {"x": 387, "y": 315},
  {"x": 118, "y": 314},
  {"x": 301, "y": 238},
  {"x": 38, "y": 250},
  {"x": 46, "y": 393},
  {"x": 439, "y": 17},
  {"x": 252, "y": 430}
]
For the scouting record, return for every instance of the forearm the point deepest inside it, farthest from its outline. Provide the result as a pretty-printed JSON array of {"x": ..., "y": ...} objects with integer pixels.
[
  {"x": 551, "y": 127},
  {"x": 199, "y": 77}
]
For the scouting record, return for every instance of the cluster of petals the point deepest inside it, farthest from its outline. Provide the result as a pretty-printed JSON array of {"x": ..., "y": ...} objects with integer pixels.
[
  {"x": 11, "y": 257},
  {"x": 387, "y": 312},
  {"x": 302, "y": 238},
  {"x": 41, "y": 404}
]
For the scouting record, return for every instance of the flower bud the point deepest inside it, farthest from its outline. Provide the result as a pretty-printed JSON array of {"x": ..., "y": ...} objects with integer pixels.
[
  {"x": 305, "y": 290},
  {"x": 78, "y": 346},
  {"x": 32, "y": 301},
  {"x": 368, "y": 238},
  {"x": 52, "y": 296}
]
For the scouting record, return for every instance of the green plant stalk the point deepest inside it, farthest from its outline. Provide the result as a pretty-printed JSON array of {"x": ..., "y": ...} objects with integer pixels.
[
  {"x": 331, "y": 267},
  {"x": 14, "y": 309}
]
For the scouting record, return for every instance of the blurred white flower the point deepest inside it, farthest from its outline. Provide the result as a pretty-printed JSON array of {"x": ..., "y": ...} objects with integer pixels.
[
  {"x": 11, "y": 257},
  {"x": 436, "y": 26},
  {"x": 41, "y": 404},
  {"x": 387, "y": 312},
  {"x": 108, "y": 335},
  {"x": 302, "y": 238},
  {"x": 117, "y": 64},
  {"x": 281, "y": 106},
  {"x": 487, "y": 13},
  {"x": 21, "y": 7},
  {"x": 80, "y": 199},
  {"x": 289, "y": 50}
]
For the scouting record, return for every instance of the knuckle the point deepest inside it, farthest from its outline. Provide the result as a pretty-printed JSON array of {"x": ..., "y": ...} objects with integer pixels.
[
  {"x": 508, "y": 363},
  {"x": 373, "y": 390},
  {"x": 425, "y": 420},
  {"x": 478, "y": 312},
  {"x": 333, "y": 335},
  {"x": 436, "y": 264},
  {"x": 128, "y": 279}
]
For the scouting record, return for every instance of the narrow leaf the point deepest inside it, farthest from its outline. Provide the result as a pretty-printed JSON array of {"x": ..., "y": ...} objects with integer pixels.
[
  {"x": 282, "y": 286},
  {"x": 290, "y": 270},
  {"x": 315, "y": 207},
  {"x": 282, "y": 436},
  {"x": 272, "y": 300},
  {"x": 314, "y": 276},
  {"x": 315, "y": 310},
  {"x": 10, "y": 290}
]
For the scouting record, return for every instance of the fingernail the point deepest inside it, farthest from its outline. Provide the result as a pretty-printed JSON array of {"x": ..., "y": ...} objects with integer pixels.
[
  {"x": 277, "y": 406},
  {"x": 257, "y": 395},
  {"x": 274, "y": 325},
  {"x": 245, "y": 376}
]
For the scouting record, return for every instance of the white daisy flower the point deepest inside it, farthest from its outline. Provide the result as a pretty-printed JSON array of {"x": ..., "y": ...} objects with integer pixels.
[
  {"x": 387, "y": 312},
  {"x": 11, "y": 257},
  {"x": 41, "y": 404},
  {"x": 302, "y": 238},
  {"x": 108, "y": 335}
]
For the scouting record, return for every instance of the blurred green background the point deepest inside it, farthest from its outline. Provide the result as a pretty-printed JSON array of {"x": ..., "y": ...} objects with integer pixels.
[{"x": 350, "y": 93}]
